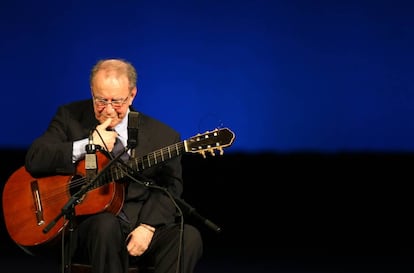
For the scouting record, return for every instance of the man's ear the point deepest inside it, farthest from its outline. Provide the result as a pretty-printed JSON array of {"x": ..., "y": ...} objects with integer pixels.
[{"x": 133, "y": 93}]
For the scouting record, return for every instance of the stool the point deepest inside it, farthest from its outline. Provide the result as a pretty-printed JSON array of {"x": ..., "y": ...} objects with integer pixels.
[{"x": 86, "y": 268}]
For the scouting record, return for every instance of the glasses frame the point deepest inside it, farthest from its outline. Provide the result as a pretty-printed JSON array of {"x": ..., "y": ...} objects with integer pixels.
[{"x": 103, "y": 103}]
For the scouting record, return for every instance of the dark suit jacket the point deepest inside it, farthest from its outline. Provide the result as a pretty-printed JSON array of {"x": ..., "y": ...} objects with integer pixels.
[{"x": 51, "y": 154}]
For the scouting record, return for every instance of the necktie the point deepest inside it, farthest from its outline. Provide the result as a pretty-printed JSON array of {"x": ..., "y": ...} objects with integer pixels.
[{"x": 119, "y": 148}]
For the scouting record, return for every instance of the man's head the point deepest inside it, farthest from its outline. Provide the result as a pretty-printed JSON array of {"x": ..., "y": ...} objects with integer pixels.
[{"x": 113, "y": 84}]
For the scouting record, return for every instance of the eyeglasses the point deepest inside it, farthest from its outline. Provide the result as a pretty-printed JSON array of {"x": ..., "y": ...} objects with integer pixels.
[{"x": 102, "y": 103}]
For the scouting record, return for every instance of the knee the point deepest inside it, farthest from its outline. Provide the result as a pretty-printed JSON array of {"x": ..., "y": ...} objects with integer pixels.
[
  {"x": 193, "y": 241},
  {"x": 105, "y": 224}
]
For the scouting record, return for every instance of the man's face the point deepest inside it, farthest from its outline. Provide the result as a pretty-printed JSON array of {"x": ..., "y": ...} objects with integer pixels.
[{"x": 112, "y": 96}]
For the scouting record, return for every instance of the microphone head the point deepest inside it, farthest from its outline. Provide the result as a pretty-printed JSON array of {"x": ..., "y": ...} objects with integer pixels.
[{"x": 133, "y": 122}]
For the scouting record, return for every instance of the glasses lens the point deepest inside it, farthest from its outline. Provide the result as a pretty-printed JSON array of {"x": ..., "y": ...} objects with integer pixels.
[
  {"x": 115, "y": 103},
  {"x": 100, "y": 103}
]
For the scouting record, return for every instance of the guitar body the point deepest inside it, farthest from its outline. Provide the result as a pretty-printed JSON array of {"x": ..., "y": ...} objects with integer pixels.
[{"x": 30, "y": 204}]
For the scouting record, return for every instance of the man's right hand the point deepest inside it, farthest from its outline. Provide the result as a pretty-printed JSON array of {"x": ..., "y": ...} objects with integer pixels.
[{"x": 106, "y": 138}]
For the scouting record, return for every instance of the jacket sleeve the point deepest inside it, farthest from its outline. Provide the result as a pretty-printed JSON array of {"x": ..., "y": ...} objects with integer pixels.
[{"x": 51, "y": 153}]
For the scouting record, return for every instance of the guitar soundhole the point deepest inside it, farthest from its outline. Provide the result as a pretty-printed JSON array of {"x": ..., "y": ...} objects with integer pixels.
[{"x": 76, "y": 184}]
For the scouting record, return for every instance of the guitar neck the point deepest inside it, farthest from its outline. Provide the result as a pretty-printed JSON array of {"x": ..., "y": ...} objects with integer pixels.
[
  {"x": 158, "y": 156},
  {"x": 117, "y": 172}
]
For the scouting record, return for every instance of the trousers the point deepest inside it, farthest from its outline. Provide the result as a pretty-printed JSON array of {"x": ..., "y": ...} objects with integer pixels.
[{"x": 100, "y": 241}]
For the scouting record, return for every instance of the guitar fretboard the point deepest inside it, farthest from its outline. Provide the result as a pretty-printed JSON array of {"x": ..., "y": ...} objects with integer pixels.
[{"x": 118, "y": 171}]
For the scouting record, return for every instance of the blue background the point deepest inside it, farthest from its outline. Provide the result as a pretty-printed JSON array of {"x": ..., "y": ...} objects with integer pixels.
[{"x": 295, "y": 75}]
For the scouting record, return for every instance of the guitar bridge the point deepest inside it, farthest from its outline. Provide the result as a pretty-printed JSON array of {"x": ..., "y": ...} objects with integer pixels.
[{"x": 37, "y": 203}]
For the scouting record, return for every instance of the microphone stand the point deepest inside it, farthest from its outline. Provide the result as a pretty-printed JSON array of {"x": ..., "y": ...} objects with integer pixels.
[
  {"x": 183, "y": 205},
  {"x": 191, "y": 211},
  {"x": 68, "y": 210}
]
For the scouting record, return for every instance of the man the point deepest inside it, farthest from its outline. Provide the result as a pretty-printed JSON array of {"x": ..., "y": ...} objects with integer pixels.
[{"x": 145, "y": 230}]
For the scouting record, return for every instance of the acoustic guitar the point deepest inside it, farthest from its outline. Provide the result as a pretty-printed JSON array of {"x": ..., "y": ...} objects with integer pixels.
[{"x": 30, "y": 204}]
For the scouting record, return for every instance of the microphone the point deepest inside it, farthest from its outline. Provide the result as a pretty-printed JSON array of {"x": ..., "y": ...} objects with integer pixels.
[
  {"x": 133, "y": 123},
  {"x": 191, "y": 211},
  {"x": 91, "y": 161}
]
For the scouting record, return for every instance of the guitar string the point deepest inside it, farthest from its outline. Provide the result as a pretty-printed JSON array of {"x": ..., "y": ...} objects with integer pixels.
[
  {"x": 60, "y": 193},
  {"x": 55, "y": 196}
]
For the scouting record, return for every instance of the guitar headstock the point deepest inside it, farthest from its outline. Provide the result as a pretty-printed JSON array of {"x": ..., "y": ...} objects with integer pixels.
[{"x": 210, "y": 141}]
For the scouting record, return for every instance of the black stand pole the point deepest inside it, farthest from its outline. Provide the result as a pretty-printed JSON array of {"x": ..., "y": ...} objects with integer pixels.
[{"x": 67, "y": 252}]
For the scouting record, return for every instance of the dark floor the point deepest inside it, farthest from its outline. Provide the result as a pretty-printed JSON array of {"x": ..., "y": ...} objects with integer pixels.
[{"x": 237, "y": 260}]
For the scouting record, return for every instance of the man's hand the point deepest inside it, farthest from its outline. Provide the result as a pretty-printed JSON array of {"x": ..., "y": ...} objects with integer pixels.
[
  {"x": 139, "y": 240},
  {"x": 106, "y": 138}
]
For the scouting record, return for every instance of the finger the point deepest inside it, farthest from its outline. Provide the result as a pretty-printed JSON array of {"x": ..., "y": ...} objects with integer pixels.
[
  {"x": 106, "y": 123},
  {"x": 130, "y": 247}
]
